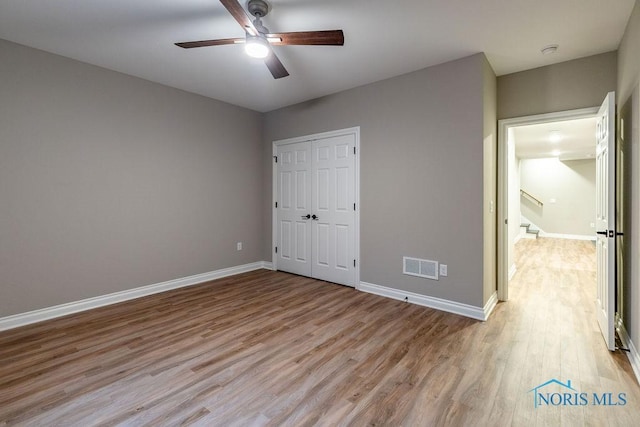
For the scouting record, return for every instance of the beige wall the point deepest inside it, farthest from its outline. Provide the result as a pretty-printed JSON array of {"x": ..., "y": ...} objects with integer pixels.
[
  {"x": 109, "y": 182},
  {"x": 421, "y": 172},
  {"x": 628, "y": 100},
  {"x": 570, "y": 85},
  {"x": 572, "y": 184}
]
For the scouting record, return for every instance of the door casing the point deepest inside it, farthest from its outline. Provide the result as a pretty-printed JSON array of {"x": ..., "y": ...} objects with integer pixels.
[{"x": 503, "y": 189}]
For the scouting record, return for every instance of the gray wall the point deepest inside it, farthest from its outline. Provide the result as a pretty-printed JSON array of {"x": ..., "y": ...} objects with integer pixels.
[
  {"x": 628, "y": 97},
  {"x": 421, "y": 172},
  {"x": 109, "y": 182},
  {"x": 628, "y": 57},
  {"x": 572, "y": 184},
  {"x": 570, "y": 85}
]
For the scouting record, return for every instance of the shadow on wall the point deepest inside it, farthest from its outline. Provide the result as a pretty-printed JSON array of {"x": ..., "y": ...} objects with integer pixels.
[{"x": 583, "y": 168}]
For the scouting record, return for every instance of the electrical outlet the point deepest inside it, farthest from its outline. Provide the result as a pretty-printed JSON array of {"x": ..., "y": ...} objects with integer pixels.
[
  {"x": 443, "y": 270},
  {"x": 239, "y": 246}
]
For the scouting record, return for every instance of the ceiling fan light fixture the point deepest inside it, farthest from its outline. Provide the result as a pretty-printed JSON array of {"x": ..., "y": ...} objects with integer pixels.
[{"x": 257, "y": 47}]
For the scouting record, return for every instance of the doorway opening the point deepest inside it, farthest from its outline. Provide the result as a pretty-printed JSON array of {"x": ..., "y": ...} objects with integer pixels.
[
  {"x": 523, "y": 198},
  {"x": 551, "y": 185},
  {"x": 604, "y": 220}
]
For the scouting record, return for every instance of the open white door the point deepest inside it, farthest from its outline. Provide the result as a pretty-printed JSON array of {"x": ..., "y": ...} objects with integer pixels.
[{"x": 605, "y": 219}]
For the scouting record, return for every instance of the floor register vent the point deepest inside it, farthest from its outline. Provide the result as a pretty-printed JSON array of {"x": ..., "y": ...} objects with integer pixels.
[{"x": 420, "y": 267}]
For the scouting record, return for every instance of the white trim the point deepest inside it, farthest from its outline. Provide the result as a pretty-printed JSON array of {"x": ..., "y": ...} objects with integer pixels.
[
  {"x": 512, "y": 271},
  {"x": 274, "y": 191},
  {"x": 274, "y": 210},
  {"x": 490, "y": 305},
  {"x": 566, "y": 236},
  {"x": 518, "y": 237},
  {"x": 27, "y": 318},
  {"x": 503, "y": 196},
  {"x": 633, "y": 355},
  {"x": 478, "y": 313}
]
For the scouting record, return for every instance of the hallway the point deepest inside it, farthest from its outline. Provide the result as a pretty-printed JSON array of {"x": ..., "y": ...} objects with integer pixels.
[{"x": 551, "y": 317}]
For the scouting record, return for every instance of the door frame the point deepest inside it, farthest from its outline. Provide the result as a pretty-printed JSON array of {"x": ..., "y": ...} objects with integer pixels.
[
  {"x": 355, "y": 131},
  {"x": 503, "y": 189}
]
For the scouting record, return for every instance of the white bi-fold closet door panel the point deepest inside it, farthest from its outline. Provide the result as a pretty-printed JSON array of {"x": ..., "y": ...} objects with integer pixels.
[{"x": 315, "y": 206}]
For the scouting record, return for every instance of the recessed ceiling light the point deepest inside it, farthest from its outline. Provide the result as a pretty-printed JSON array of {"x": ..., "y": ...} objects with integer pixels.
[{"x": 552, "y": 48}]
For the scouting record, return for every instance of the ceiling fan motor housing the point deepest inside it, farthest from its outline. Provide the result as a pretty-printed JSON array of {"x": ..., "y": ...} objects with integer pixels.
[
  {"x": 255, "y": 30},
  {"x": 258, "y": 8}
]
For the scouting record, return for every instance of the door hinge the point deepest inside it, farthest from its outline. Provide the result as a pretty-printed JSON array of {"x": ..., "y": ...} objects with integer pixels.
[
  {"x": 354, "y": 150},
  {"x": 354, "y": 262},
  {"x": 276, "y": 204},
  {"x": 354, "y": 206},
  {"x": 276, "y": 249},
  {"x": 275, "y": 158}
]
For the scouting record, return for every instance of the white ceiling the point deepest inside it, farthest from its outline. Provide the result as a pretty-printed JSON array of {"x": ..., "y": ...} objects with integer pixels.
[
  {"x": 383, "y": 38},
  {"x": 577, "y": 140}
]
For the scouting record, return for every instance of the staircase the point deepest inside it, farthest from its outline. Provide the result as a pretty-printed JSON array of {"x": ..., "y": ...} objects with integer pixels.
[{"x": 528, "y": 232}]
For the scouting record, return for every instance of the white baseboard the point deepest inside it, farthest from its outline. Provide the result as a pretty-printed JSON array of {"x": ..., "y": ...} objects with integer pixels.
[
  {"x": 566, "y": 236},
  {"x": 634, "y": 357},
  {"x": 27, "y": 318},
  {"x": 512, "y": 271},
  {"x": 489, "y": 306},
  {"x": 478, "y": 313}
]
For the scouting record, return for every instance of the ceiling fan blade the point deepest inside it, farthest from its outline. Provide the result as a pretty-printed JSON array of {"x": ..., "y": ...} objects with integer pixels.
[
  {"x": 275, "y": 66},
  {"x": 205, "y": 43},
  {"x": 323, "y": 38},
  {"x": 236, "y": 10}
]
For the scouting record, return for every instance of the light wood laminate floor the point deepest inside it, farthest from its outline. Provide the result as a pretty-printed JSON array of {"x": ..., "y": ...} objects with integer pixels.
[{"x": 269, "y": 348}]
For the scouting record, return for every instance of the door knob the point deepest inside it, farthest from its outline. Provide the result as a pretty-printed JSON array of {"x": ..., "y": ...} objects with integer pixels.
[
  {"x": 307, "y": 216},
  {"x": 314, "y": 217},
  {"x": 604, "y": 233}
]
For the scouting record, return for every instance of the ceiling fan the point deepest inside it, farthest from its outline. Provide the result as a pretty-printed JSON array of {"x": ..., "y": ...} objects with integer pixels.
[{"x": 258, "y": 40}]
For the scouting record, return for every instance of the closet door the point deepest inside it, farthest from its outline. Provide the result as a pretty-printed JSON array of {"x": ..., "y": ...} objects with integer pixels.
[
  {"x": 333, "y": 209},
  {"x": 294, "y": 208},
  {"x": 316, "y": 185}
]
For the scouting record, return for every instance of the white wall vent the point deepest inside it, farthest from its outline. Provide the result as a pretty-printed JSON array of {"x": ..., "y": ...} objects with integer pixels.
[{"x": 420, "y": 267}]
